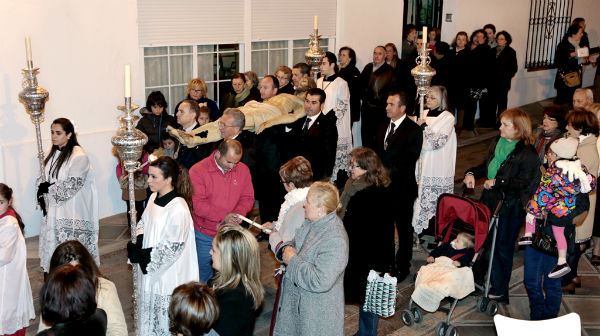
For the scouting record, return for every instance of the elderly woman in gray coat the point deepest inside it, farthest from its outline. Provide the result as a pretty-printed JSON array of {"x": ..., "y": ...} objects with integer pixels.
[{"x": 312, "y": 297}]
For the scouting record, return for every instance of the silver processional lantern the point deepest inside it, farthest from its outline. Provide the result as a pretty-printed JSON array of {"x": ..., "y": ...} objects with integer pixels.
[
  {"x": 315, "y": 53},
  {"x": 423, "y": 73}
]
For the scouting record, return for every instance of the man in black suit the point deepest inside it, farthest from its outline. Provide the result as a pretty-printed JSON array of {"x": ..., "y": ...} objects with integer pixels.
[
  {"x": 187, "y": 114},
  {"x": 314, "y": 136},
  {"x": 377, "y": 80},
  {"x": 399, "y": 145}
]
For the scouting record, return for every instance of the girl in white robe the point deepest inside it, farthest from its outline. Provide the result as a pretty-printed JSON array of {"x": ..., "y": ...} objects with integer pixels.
[
  {"x": 165, "y": 248},
  {"x": 435, "y": 169},
  {"x": 72, "y": 209},
  {"x": 16, "y": 301}
]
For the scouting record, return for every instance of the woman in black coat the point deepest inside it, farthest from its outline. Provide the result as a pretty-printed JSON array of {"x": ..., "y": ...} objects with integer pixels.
[
  {"x": 350, "y": 74},
  {"x": 566, "y": 62},
  {"x": 459, "y": 63},
  {"x": 155, "y": 119},
  {"x": 512, "y": 173},
  {"x": 479, "y": 75},
  {"x": 505, "y": 69},
  {"x": 370, "y": 226}
]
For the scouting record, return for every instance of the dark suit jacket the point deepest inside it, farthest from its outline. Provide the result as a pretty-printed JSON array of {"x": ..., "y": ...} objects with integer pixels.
[
  {"x": 318, "y": 145},
  {"x": 401, "y": 156},
  {"x": 187, "y": 157}
]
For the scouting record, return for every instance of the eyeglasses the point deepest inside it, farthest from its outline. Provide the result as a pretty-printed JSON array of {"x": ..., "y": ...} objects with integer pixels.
[
  {"x": 198, "y": 90},
  {"x": 431, "y": 98},
  {"x": 222, "y": 124},
  {"x": 353, "y": 165}
]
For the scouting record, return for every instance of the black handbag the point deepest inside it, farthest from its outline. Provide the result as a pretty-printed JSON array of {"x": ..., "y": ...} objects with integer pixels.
[{"x": 543, "y": 241}]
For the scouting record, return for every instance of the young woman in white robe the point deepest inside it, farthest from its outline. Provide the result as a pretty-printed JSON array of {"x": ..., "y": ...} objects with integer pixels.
[
  {"x": 72, "y": 209},
  {"x": 165, "y": 248},
  {"x": 337, "y": 100},
  {"x": 16, "y": 301},
  {"x": 435, "y": 169}
]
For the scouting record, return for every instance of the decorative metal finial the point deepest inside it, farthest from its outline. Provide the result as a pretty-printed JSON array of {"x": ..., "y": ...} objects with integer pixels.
[
  {"x": 423, "y": 74},
  {"x": 314, "y": 54}
]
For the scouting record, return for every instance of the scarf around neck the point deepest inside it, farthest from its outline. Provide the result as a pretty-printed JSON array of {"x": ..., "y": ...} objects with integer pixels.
[
  {"x": 503, "y": 149},
  {"x": 290, "y": 199},
  {"x": 350, "y": 189},
  {"x": 242, "y": 95}
]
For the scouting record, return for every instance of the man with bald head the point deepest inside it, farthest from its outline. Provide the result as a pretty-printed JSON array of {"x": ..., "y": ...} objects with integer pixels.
[
  {"x": 269, "y": 86},
  {"x": 377, "y": 80},
  {"x": 222, "y": 189},
  {"x": 582, "y": 98}
]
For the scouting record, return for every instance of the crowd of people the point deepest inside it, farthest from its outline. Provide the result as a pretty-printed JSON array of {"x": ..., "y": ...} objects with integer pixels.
[{"x": 337, "y": 166}]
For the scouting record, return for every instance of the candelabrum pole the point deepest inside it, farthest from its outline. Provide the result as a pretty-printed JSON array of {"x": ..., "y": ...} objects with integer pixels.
[
  {"x": 314, "y": 54},
  {"x": 34, "y": 98},
  {"x": 129, "y": 142},
  {"x": 423, "y": 74}
]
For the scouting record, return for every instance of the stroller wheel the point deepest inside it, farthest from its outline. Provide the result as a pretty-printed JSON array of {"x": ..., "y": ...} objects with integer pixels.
[
  {"x": 482, "y": 304},
  {"x": 417, "y": 314},
  {"x": 407, "y": 318},
  {"x": 492, "y": 308},
  {"x": 451, "y": 331},
  {"x": 440, "y": 329}
]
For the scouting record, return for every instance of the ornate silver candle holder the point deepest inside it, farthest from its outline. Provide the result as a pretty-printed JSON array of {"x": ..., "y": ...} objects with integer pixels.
[
  {"x": 130, "y": 142},
  {"x": 314, "y": 54},
  {"x": 423, "y": 74},
  {"x": 34, "y": 98}
]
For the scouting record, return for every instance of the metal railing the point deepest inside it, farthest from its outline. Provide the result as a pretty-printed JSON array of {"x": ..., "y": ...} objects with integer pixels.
[{"x": 548, "y": 22}]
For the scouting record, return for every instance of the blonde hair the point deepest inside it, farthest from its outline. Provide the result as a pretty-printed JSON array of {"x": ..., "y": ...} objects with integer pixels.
[
  {"x": 240, "y": 262},
  {"x": 467, "y": 239},
  {"x": 197, "y": 82},
  {"x": 324, "y": 194}
]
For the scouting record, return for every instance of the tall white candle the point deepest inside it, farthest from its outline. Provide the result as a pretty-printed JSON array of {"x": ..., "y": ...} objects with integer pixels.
[
  {"x": 316, "y": 22},
  {"x": 28, "y": 48},
  {"x": 127, "y": 80},
  {"x": 424, "y": 38}
]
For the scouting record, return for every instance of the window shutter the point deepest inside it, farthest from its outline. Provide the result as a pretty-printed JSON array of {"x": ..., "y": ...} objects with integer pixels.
[
  {"x": 190, "y": 21},
  {"x": 290, "y": 20}
]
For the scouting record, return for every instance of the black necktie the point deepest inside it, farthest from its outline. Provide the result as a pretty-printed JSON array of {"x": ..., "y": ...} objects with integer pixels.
[
  {"x": 389, "y": 136},
  {"x": 305, "y": 127}
]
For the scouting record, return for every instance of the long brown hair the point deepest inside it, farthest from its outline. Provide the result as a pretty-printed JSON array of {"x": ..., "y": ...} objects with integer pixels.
[
  {"x": 7, "y": 193},
  {"x": 521, "y": 123},
  {"x": 180, "y": 179},
  {"x": 66, "y": 151},
  {"x": 367, "y": 159},
  {"x": 73, "y": 250}
]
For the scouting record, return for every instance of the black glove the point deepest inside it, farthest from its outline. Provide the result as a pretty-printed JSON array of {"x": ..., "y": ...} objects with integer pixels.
[
  {"x": 133, "y": 250},
  {"x": 43, "y": 188},
  {"x": 144, "y": 259}
]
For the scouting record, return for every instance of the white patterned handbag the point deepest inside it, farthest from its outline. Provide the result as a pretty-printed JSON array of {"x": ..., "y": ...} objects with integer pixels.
[{"x": 380, "y": 298}]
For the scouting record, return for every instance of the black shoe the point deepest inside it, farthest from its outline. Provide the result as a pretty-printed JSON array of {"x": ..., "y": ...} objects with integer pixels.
[
  {"x": 559, "y": 270},
  {"x": 262, "y": 237},
  {"x": 499, "y": 298}
]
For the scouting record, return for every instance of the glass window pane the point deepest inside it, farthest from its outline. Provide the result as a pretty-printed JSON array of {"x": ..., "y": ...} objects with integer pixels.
[
  {"x": 228, "y": 47},
  {"x": 298, "y": 55},
  {"x": 154, "y": 51},
  {"x": 301, "y": 43},
  {"x": 260, "y": 63},
  {"x": 229, "y": 63},
  {"x": 278, "y": 44},
  {"x": 224, "y": 88},
  {"x": 277, "y": 58},
  {"x": 177, "y": 94},
  {"x": 207, "y": 67},
  {"x": 260, "y": 45},
  {"x": 180, "y": 50},
  {"x": 181, "y": 69},
  {"x": 206, "y": 48},
  {"x": 156, "y": 71},
  {"x": 212, "y": 91}
]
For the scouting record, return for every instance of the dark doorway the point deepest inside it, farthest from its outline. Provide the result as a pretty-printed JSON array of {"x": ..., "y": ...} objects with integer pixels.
[{"x": 423, "y": 13}]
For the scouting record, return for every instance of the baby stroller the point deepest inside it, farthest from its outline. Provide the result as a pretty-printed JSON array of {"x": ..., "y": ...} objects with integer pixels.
[{"x": 456, "y": 214}]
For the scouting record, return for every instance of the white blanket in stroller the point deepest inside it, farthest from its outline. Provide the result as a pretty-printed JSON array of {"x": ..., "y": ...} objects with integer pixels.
[{"x": 439, "y": 280}]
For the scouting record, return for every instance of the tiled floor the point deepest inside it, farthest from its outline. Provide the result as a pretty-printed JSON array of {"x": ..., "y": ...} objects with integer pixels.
[{"x": 586, "y": 302}]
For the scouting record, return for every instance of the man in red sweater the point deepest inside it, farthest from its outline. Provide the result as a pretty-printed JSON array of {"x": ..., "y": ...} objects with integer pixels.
[{"x": 222, "y": 189}]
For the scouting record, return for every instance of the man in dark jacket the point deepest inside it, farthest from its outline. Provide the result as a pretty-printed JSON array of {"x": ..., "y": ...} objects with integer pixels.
[
  {"x": 187, "y": 114},
  {"x": 377, "y": 80},
  {"x": 399, "y": 143}
]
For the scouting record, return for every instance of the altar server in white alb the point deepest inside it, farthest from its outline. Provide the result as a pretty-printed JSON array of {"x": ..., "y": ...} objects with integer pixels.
[
  {"x": 435, "y": 169},
  {"x": 165, "y": 248},
  {"x": 337, "y": 100},
  {"x": 16, "y": 301},
  {"x": 72, "y": 209}
]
